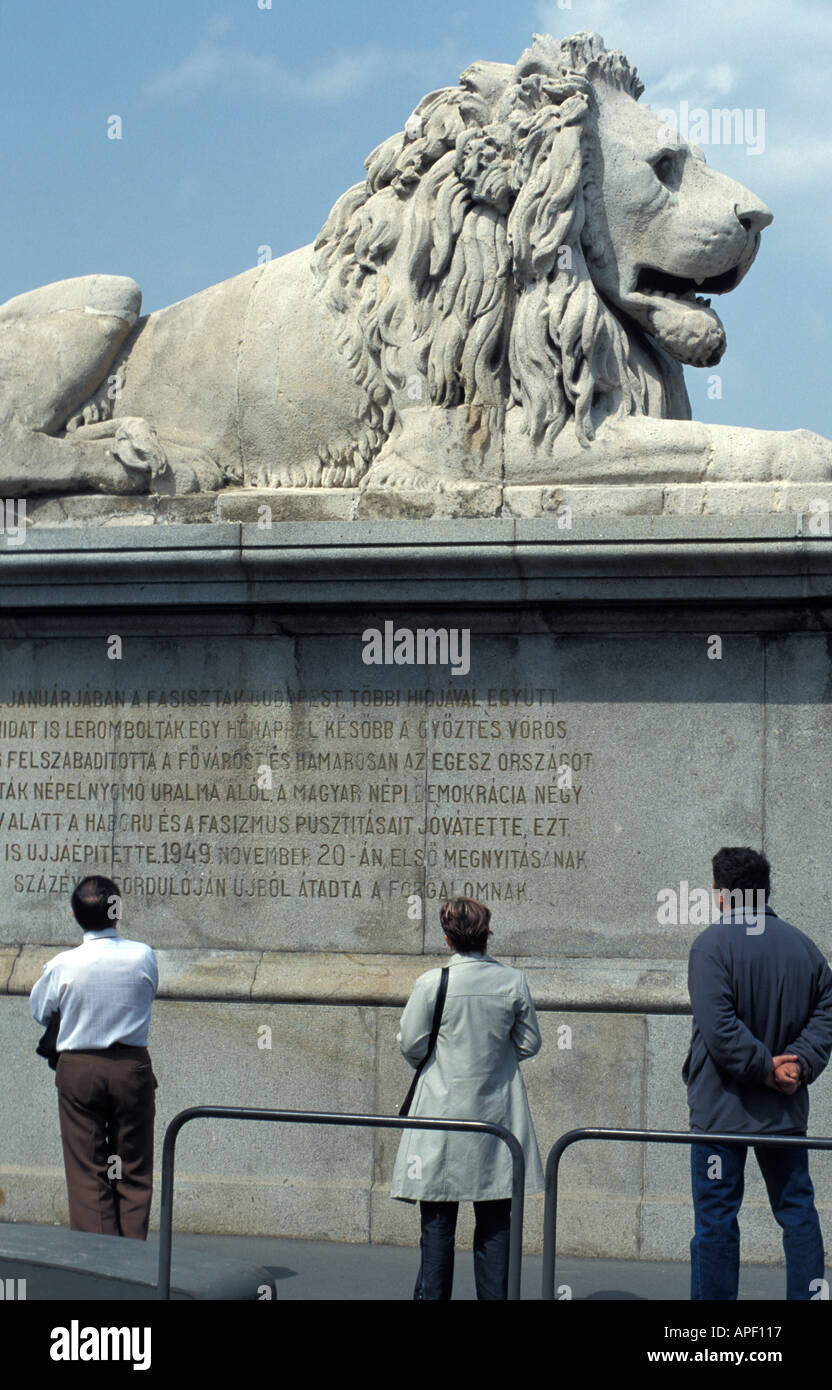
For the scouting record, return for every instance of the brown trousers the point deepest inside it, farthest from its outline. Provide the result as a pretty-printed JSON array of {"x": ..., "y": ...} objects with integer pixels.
[{"x": 106, "y": 1105}]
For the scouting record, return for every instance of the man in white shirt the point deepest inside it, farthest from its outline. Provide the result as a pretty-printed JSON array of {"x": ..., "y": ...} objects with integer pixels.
[{"x": 103, "y": 991}]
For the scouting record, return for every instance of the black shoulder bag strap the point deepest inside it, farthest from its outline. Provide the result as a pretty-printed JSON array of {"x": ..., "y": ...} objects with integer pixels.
[{"x": 434, "y": 1033}]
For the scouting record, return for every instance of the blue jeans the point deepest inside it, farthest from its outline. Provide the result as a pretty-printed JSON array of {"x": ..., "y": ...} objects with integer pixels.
[
  {"x": 491, "y": 1244},
  {"x": 717, "y": 1198}
]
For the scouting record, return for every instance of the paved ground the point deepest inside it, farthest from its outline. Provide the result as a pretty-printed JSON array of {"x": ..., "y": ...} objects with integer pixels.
[
  {"x": 306, "y": 1269},
  {"x": 312, "y": 1270}
]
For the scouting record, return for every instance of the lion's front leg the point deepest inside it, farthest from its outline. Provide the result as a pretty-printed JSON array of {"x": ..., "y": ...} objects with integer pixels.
[
  {"x": 789, "y": 456},
  {"x": 691, "y": 452},
  {"x": 643, "y": 449},
  {"x": 32, "y": 462},
  {"x": 440, "y": 448},
  {"x": 122, "y": 456},
  {"x": 172, "y": 468}
]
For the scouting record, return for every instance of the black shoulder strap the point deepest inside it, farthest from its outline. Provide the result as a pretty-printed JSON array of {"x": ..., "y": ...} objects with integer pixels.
[
  {"x": 437, "y": 1012},
  {"x": 434, "y": 1034}
]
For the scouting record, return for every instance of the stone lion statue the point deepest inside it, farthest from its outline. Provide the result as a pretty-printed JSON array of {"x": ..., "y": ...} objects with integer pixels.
[{"x": 509, "y": 296}]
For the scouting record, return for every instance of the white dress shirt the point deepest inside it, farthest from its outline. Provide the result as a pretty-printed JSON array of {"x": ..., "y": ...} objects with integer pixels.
[{"x": 104, "y": 989}]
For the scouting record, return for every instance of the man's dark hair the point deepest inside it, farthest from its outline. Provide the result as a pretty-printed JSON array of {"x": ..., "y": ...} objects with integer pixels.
[
  {"x": 465, "y": 922},
  {"x": 92, "y": 903},
  {"x": 741, "y": 868}
]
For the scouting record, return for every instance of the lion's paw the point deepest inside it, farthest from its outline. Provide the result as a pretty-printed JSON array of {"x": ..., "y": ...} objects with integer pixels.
[
  {"x": 192, "y": 470},
  {"x": 301, "y": 475},
  {"x": 136, "y": 447},
  {"x": 342, "y": 473},
  {"x": 393, "y": 471},
  {"x": 205, "y": 474},
  {"x": 231, "y": 475}
]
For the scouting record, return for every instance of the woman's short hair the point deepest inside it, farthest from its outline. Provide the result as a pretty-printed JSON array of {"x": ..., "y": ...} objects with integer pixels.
[{"x": 465, "y": 922}]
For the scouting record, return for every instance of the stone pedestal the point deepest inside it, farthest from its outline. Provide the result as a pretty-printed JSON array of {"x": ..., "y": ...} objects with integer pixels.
[{"x": 186, "y": 708}]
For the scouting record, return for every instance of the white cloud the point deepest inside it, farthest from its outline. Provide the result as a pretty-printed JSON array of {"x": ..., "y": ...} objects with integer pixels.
[
  {"x": 707, "y": 31},
  {"x": 763, "y": 53},
  {"x": 219, "y": 25},
  {"x": 216, "y": 65},
  {"x": 212, "y": 65},
  {"x": 717, "y": 81},
  {"x": 811, "y": 167},
  {"x": 347, "y": 75},
  {"x": 676, "y": 80},
  {"x": 720, "y": 79}
]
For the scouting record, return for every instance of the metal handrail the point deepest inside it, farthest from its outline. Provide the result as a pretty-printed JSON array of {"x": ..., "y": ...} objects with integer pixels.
[
  {"x": 325, "y": 1117},
  {"x": 641, "y": 1136}
]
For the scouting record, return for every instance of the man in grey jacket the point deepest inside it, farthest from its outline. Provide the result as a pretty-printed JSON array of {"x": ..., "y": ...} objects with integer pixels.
[{"x": 761, "y": 995}]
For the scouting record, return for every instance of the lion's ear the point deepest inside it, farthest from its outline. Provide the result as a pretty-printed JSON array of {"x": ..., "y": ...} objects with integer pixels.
[{"x": 483, "y": 167}]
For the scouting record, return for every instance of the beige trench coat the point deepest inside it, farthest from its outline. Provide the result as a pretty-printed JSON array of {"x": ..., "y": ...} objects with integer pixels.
[{"x": 488, "y": 1025}]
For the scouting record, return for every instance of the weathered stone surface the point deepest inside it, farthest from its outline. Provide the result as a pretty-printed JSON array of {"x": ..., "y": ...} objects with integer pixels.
[
  {"x": 207, "y": 974},
  {"x": 560, "y": 763},
  {"x": 391, "y": 788},
  {"x": 615, "y": 617},
  {"x": 351, "y": 977},
  {"x": 571, "y": 503},
  {"x": 341, "y": 978},
  {"x": 798, "y": 685},
  {"x": 694, "y": 571},
  {"x": 27, "y": 966},
  {"x": 264, "y": 505},
  {"x": 182, "y": 974},
  {"x": 631, "y": 986},
  {"x": 230, "y": 1176},
  {"x": 147, "y": 510},
  {"x": 568, "y": 504},
  {"x": 8, "y": 958}
]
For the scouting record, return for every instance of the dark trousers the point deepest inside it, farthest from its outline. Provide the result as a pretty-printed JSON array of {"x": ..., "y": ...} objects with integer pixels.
[
  {"x": 107, "y": 1106},
  {"x": 491, "y": 1244},
  {"x": 717, "y": 1197}
]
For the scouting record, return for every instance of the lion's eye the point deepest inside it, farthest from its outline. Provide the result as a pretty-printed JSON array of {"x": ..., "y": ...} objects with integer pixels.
[{"x": 665, "y": 169}]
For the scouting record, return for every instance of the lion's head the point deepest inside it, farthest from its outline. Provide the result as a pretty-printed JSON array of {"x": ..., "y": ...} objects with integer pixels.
[{"x": 536, "y": 239}]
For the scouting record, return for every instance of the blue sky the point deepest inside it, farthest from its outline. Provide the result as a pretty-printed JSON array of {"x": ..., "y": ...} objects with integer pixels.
[{"x": 242, "y": 125}]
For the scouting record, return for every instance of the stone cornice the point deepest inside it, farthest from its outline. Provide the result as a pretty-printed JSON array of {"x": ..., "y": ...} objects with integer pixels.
[
  {"x": 500, "y": 561},
  {"x": 351, "y": 978}
]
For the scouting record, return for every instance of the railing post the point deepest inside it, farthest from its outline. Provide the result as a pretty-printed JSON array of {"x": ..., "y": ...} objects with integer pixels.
[
  {"x": 220, "y": 1112},
  {"x": 166, "y": 1202},
  {"x": 640, "y": 1136},
  {"x": 550, "y": 1217},
  {"x": 518, "y": 1186}
]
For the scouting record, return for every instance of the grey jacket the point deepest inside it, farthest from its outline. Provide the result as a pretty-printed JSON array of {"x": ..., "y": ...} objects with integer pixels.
[
  {"x": 758, "y": 988},
  {"x": 488, "y": 1025}
]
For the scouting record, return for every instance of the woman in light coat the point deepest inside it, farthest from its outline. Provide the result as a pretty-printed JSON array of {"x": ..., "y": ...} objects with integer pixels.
[{"x": 488, "y": 1026}]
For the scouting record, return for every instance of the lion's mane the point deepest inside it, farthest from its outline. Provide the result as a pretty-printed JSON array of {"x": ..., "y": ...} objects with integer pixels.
[{"x": 466, "y": 256}]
